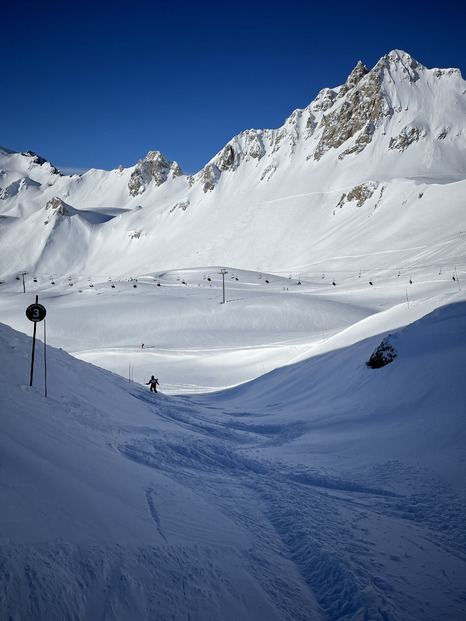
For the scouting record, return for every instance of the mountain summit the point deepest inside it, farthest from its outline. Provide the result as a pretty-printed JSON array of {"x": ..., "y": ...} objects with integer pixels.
[{"x": 383, "y": 139}]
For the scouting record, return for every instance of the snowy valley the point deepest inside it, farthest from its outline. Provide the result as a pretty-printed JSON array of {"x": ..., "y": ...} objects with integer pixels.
[{"x": 276, "y": 476}]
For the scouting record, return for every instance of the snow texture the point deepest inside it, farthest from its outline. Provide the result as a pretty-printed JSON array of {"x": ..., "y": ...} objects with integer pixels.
[{"x": 276, "y": 476}]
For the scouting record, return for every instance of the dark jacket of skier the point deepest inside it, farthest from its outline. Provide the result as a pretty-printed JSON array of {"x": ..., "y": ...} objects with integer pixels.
[{"x": 153, "y": 384}]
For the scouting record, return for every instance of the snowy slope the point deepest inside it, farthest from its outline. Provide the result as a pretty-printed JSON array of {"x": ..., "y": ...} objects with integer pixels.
[
  {"x": 365, "y": 185},
  {"x": 324, "y": 490}
]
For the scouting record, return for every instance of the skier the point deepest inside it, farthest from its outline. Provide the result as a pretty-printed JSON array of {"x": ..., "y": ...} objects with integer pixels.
[{"x": 153, "y": 384}]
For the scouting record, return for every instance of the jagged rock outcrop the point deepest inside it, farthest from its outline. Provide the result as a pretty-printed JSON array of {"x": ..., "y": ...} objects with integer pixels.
[
  {"x": 360, "y": 193},
  {"x": 249, "y": 145},
  {"x": 399, "y": 62},
  {"x": 37, "y": 160},
  {"x": 153, "y": 168},
  {"x": 209, "y": 176},
  {"x": 228, "y": 159},
  {"x": 383, "y": 355},
  {"x": 59, "y": 207},
  {"x": 289, "y": 134},
  {"x": 344, "y": 119},
  {"x": 358, "y": 107},
  {"x": 406, "y": 138}
]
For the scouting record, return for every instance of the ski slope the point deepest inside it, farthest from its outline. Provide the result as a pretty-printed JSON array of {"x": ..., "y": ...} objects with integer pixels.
[
  {"x": 322, "y": 490},
  {"x": 275, "y": 477},
  {"x": 195, "y": 343}
]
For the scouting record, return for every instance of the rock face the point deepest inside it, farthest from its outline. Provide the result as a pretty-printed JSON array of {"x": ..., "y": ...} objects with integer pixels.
[
  {"x": 343, "y": 119},
  {"x": 153, "y": 168},
  {"x": 58, "y": 207},
  {"x": 407, "y": 136},
  {"x": 360, "y": 194},
  {"x": 356, "y": 107},
  {"x": 383, "y": 355}
]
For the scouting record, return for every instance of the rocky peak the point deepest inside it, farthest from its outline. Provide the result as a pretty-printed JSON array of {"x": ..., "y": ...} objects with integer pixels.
[
  {"x": 154, "y": 167},
  {"x": 354, "y": 78},
  {"x": 358, "y": 108},
  {"x": 249, "y": 145},
  {"x": 324, "y": 100},
  {"x": 58, "y": 207},
  {"x": 400, "y": 63},
  {"x": 37, "y": 160}
]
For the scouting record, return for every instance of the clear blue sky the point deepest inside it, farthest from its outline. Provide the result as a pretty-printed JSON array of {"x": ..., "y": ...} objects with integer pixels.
[{"x": 100, "y": 84}]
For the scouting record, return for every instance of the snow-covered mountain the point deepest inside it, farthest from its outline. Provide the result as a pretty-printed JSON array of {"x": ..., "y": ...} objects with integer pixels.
[
  {"x": 323, "y": 489},
  {"x": 383, "y": 153}
]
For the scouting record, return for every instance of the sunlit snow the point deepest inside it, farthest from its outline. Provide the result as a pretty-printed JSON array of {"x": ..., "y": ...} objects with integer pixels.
[{"x": 275, "y": 476}]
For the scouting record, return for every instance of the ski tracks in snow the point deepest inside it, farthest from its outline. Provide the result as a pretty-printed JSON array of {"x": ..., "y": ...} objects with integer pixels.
[{"x": 292, "y": 517}]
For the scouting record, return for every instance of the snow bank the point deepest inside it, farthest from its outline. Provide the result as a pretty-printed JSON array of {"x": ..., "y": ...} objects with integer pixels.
[{"x": 323, "y": 490}]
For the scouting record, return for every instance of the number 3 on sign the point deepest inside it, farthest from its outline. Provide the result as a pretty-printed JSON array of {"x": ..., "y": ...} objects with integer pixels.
[{"x": 36, "y": 312}]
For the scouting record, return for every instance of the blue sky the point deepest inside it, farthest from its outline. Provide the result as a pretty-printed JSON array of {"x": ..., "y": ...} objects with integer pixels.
[{"x": 100, "y": 84}]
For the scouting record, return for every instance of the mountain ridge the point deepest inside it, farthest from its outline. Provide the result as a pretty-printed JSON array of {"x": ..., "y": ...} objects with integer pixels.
[{"x": 358, "y": 145}]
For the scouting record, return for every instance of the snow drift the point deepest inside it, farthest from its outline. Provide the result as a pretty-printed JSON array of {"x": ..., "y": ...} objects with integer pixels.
[{"x": 324, "y": 490}]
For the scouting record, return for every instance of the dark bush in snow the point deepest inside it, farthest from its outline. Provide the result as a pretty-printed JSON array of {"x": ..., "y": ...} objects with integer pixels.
[{"x": 383, "y": 355}]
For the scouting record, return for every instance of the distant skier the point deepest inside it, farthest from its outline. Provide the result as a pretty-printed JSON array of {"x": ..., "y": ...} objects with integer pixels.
[{"x": 153, "y": 384}]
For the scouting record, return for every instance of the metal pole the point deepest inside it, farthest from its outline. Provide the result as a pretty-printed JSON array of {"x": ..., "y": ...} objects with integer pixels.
[
  {"x": 45, "y": 362},
  {"x": 223, "y": 272},
  {"x": 33, "y": 346},
  {"x": 23, "y": 273},
  {"x": 33, "y": 351}
]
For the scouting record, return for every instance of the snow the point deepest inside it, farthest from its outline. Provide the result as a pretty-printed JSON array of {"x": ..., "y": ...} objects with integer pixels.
[
  {"x": 323, "y": 489},
  {"x": 275, "y": 477}
]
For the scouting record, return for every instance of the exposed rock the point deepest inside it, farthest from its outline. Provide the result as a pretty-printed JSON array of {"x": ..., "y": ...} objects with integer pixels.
[
  {"x": 324, "y": 100},
  {"x": 360, "y": 194},
  {"x": 183, "y": 205},
  {"x": 360, "y": 108},
  {"x": 269, "y": 171},
  {"x": 399, "y": 62},
  {"x": 383, "y": 355},
  {"x": 255, "y": 146},
  {"x": 360, "y": 105},
  {"x": 228, "y": 159},
  {"x": 353, "y": 79},
  {"x": 209, "y": 176},
  {"x": 58, "y": 207},
  {"x": 154, "y": 167},
  {"x": 364, "y": 138},
  {"x": 289, "y": 133},
  {"x": 37, "y": 160},
  {"x": 406, "y": 137}
]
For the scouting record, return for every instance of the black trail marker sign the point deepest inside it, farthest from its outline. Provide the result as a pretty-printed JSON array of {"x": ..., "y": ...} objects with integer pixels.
[{"x": 35, "y": 313}]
